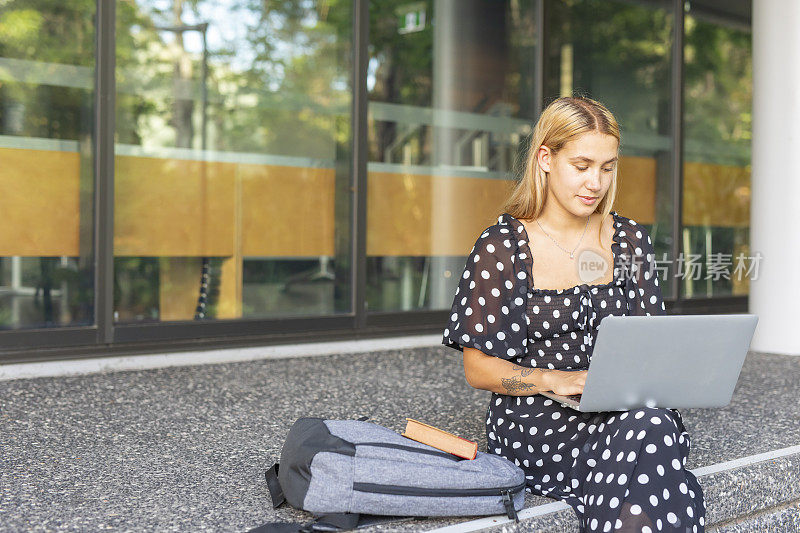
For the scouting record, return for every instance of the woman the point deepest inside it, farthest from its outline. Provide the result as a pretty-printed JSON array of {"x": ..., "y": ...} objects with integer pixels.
[{"x": 618, "y": 470}]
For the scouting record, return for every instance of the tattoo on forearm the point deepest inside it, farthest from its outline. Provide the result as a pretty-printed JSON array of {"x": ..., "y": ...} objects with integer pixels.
[{"x": 515, "y": 384}]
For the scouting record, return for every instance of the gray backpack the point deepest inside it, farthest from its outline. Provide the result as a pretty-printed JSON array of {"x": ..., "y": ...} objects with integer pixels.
[{"x": 343, "y": 470}]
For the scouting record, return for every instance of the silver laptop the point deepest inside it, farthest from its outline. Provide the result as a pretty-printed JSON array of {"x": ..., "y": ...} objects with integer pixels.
[{"x": 675, "y": 361}]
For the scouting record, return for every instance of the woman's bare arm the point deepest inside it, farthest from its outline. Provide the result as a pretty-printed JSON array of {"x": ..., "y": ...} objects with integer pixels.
[{"x": 504, "y": 377}]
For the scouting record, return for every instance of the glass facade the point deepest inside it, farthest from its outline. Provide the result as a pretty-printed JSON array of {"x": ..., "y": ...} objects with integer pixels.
[
  {"x": 451, "y": 97},
  {"x": 621, "y": 54},
  {"x": 716, "y": 173},
  {"x": 231, "y": 120},
  {"x": 47, "y": 52},
  {"x": 323, "y": 166}
]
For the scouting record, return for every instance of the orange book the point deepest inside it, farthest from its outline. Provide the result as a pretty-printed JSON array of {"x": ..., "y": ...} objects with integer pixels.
[{"x": 440, "y": 439}]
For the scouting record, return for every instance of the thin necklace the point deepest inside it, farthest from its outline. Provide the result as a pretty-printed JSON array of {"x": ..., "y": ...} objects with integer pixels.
[{"x": 572, "y": 253}]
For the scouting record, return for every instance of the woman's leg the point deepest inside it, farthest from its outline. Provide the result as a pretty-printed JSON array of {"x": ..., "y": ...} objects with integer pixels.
[{"x": 636, "y": 478}]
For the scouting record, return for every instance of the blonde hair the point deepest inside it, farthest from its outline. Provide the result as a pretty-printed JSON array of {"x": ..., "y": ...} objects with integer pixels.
[{"x": 563, "y": 120}]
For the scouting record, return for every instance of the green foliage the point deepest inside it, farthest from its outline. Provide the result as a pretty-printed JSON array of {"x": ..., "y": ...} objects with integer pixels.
[
  {"x": 52, "y": 31},
  {"x": 719, "y": 85}
]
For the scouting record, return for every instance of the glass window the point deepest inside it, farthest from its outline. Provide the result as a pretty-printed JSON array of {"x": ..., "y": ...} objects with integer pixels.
[
  {"x": 46, "y": 164},
  {"x": 451, "y": 100},
  {"x": 619, "y": 53},
  {"x": 716, "y": 172},
  {"x": 232, "y": 159}
]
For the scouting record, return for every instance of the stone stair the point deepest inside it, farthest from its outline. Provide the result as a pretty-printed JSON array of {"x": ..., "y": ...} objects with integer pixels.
[{"x": 185, "y": 448}]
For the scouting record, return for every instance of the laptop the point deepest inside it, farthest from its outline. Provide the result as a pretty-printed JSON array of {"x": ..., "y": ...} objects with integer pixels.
[{"x": 674, "y": 361}]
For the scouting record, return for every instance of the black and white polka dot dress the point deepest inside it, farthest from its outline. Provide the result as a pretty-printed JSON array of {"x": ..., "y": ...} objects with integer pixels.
[{"x": 620, "y": 471}]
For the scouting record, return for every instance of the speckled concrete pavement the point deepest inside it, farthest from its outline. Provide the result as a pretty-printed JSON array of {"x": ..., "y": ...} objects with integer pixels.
[{"x": 185, "y": 448}]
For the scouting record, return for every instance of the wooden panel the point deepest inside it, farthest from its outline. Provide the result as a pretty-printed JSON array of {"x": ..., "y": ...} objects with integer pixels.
[
  {"x": 414, "y": 215},
  {"x": 170, "y": 207},
  {"x": 636, "y": 193},
  {"x": 287, "y": 211},
  {"x": 39, "y": 202},
  {"x": 716, "y": 195},
  {"x": 229, "y": 304},
  {"x": 398, "y": 214},
  {"x": 178, "y": 287}
]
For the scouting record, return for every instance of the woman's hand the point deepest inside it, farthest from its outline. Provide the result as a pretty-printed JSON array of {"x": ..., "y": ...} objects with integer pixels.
[{"x": 565, "y": 382}]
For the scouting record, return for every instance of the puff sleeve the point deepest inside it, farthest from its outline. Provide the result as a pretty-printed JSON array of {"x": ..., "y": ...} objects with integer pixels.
[
  {"x": 488, "y": 311},
  {"x": 643, "y": 289}
]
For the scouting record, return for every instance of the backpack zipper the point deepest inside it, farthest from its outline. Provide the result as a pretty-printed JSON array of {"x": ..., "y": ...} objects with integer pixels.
[
  {"x": 505, "y": 492},
  {"x": 411, "y": 449}
]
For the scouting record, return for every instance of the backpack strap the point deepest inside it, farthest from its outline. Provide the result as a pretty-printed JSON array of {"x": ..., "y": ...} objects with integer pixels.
[
  {"x": 332, "y": 522},
  {"x": 274, "y": 486}
]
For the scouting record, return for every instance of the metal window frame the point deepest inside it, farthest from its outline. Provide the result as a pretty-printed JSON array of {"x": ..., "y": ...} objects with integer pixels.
[
  {"x": 107, "y": 338},
  {"x": 676, "y": 119},
  {"x": 105, "y": 124},
  {"x": 24, "y": 344}
]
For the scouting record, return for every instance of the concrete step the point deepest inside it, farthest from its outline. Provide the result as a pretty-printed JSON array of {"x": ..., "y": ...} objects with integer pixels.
[
  {"x": 185, "y": 448},
  {"x": 784, "y": 518},
  {"x": 744, "y": 493}
]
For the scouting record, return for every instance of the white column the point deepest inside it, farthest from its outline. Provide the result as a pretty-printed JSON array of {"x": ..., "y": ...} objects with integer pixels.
[{"x": 775, "y": 207}]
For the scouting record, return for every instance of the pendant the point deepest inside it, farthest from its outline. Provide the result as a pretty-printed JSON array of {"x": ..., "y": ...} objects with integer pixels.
[{"x": 570, "y": 255}]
